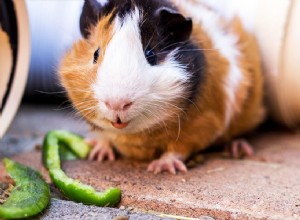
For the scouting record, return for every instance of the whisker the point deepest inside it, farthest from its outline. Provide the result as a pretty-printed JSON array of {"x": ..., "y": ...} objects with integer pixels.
[
  {"x": 141, "y": 118},
  {"x": 193, "y": 103},
  {"x": 160, "y": 42},
  {"x": 157, "y": 120},
  {"x": 177, "y": 43},
  {"x": 188, "y": 50},
  {"x": 179, "y": 128},
  {"x": 78, "y": 105},
  {"x": 158, "y": 107},
  {"x": 156, "y": 117},
  {"x": 149, "y": 42},
  {"x": 170, "y": 104},
  {"x": 50, "y": 93}
]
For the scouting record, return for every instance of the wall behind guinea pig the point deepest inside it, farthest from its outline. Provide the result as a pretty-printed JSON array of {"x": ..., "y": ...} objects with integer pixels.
[
  {"x": 278, "y": 34},
  {"x": 54, "y": 26}
]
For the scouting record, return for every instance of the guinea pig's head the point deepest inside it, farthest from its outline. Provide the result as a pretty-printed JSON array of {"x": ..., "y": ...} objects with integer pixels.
[{"x": 134, "y": 69}]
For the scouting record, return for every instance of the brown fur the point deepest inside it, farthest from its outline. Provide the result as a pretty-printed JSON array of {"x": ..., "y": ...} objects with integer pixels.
[
  {"x": 77, "y": 72},
  {"x": 251, "y": 92}
]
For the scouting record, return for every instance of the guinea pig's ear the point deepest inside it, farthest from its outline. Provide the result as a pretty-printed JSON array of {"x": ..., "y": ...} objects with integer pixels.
[
  {"x": 90, "y": 14},
  {"x": 173, "y": 23}
]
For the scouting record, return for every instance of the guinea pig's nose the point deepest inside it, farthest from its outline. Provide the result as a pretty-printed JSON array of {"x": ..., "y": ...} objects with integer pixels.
[{"x": 118, "y": 105}]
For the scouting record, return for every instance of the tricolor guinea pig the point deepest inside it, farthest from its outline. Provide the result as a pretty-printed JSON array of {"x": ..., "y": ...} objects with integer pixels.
[{"x": 160, "y": 80}]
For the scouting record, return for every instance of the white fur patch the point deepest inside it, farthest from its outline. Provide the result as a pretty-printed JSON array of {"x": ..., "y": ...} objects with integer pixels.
[
  {"x": 225, "y": 43},
  {"x": 125, "y": 74},
  {"x": 244, "y": 9},
  {"x": 102, "y": 2}
]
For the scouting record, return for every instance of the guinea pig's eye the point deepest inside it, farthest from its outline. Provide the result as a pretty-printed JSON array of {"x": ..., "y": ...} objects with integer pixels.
[
  {"x": 96, "y": 55},
  {"x": 151, "y": 57}
]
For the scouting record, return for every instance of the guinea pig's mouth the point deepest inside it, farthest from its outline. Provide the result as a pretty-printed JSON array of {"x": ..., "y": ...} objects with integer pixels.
[{"x": 119, "y": 124}]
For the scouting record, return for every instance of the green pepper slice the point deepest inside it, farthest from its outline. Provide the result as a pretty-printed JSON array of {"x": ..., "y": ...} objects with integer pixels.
[
  {"x": 73, "y": 189},
  {"x": 29, "y": 197}
]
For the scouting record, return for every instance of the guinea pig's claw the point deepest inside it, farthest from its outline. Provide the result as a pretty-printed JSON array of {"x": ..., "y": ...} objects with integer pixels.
[
  {"x": 168, "y": 163},
  {"x": 240, "y": 148},
  {"x": 101, "y": 150}
]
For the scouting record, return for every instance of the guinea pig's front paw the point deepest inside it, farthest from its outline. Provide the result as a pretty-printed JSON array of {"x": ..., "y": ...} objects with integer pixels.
[
  {"x": 168, "y": 162},
  {"x": 101, "y": 150},
  {"x": 239, "y": 148}
]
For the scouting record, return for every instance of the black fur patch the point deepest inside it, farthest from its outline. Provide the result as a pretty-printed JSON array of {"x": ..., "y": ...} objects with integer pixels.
[
  {"x": 159, "y": 37},
  {"x": 89, "y": 16}
]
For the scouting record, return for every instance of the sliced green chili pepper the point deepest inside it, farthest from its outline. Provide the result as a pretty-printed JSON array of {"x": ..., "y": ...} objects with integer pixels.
[
  {"x": 65, "y": 153},
  {"x": 73, "y": 189},
  {"x": 58, "y": 142},
  {"x": 30, "y": 195}
]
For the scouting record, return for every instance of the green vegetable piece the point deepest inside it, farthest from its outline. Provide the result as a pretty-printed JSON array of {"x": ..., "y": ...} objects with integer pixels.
[
  {"x": 65, "y": 153},
  {"x": 29, "y": 197},
  {"x": 57, "y": 139},
  {"x": 73, "y": 189}
]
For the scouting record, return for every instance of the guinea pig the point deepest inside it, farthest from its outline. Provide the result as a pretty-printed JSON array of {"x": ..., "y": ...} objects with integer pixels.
[{"x": 163, "y": 79}]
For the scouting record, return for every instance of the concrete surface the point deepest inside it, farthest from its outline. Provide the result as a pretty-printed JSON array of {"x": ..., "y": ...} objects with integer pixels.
[
  {"x": 265, "y": 186},
  {"x": 66, "y": 210}
]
